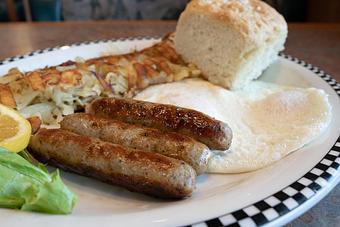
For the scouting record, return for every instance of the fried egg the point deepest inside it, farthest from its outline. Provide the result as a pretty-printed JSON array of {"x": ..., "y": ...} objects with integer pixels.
[{"x": 268, "y": 121}]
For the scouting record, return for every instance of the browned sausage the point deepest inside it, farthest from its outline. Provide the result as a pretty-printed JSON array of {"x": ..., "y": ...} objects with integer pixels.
[
  {"x": 170, "y": 144},
  {"x": 136, "y": 170},
  {"x": 215, "y": 134}
]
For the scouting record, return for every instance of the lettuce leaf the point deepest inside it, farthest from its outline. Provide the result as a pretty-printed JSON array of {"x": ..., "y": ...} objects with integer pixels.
[{"x": 28, "y": 187}]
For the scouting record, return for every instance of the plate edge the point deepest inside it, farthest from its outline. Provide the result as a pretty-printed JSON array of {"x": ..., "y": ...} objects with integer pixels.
[
  {"x": 49, "y": 49},
  {"x": 277, "y": 205}
]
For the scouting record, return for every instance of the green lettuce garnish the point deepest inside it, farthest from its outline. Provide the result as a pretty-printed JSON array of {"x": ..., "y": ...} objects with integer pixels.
[{"x": 28, "y": 187}]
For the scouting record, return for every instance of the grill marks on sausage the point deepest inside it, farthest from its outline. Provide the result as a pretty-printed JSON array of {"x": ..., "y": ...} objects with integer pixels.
[
  {"x": 136, "y": 170},
  {"x": 215, "y": 134},
  {"x": 170, "y": 144}
]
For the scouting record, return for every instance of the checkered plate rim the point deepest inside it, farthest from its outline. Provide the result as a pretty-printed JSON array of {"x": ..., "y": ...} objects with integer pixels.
[
  {"x": 291, "y": 197},
  {"x": 280, "y": 203}
]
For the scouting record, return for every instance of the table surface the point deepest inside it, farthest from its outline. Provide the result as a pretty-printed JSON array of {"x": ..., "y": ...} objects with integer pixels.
[{"x": 318, "y": 44}]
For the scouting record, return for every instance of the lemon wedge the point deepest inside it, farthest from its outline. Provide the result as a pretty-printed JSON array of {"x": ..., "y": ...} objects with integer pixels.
[{"x": 15, "y": 130}]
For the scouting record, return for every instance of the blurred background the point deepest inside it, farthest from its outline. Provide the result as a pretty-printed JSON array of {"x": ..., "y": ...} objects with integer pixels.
[{"x": 65, "y": 10}]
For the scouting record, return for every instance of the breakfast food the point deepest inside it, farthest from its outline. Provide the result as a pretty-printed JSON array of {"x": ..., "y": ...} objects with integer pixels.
[
  {"x": 53, "y": 92},
  {"x": 170, "y": 144},
  {"x": 213, "y": 133},
  {"x": 230, "y": 41},
  {"x": 268, "y": 121},
  {"x": 158, "y": 143},
  {"x": 136, "y": 170}
]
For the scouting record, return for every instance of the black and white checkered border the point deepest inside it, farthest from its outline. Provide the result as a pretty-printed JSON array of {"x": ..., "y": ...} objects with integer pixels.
[
  {"x": 278, "y": 204},
  {"x": 37, "y": 52},
  {"x": 293, "y": 196},
  {"x": 286, "y": 200}
]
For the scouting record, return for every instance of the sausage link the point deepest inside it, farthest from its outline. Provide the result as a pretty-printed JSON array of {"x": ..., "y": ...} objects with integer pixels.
[
  {"x": 136, "y": 170},
  {"x": 215, "y": 134},
  {"x": 170, "y": 144}
]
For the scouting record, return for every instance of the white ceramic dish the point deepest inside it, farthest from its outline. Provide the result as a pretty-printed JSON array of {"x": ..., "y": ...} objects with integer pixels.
[{"x": 273, "y": 195}]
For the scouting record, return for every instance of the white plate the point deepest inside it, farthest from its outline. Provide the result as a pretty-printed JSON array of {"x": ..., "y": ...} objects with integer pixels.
[{"x": 273, "y": 195}]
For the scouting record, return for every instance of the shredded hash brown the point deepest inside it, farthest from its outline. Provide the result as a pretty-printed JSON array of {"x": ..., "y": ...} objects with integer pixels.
[{"x": 52, "y": 92}]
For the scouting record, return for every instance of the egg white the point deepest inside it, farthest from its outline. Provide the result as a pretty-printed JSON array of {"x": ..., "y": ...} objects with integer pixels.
[{"x": 268, "y": 121}]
